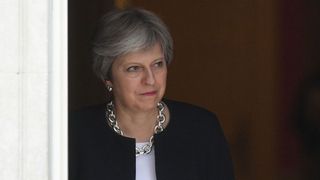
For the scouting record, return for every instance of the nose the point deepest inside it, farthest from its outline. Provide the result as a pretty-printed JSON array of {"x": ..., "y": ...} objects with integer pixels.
[{"x": 149, "y": 77}]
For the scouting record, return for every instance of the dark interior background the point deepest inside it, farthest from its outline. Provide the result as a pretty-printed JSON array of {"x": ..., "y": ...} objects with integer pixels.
[{"x": 246, "y": 60}]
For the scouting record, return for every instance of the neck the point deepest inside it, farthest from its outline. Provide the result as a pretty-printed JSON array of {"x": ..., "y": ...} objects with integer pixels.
[{"x": 138, "y": 125}]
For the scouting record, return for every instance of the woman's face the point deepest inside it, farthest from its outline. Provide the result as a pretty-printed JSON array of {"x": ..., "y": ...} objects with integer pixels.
[{"x": 139, "y": 79}]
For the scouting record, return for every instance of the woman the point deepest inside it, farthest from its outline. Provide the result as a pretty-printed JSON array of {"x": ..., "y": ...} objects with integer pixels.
[{"x": 137, "y": 134}]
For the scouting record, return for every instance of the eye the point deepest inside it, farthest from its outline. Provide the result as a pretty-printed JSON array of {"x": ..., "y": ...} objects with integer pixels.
[
  {"x": 159, "y": 64},
  {"x": 133, "y": 69}
]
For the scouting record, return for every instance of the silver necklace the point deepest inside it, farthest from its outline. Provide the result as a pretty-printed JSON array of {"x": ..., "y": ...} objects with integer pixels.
[{"x": 145, "y": 149}]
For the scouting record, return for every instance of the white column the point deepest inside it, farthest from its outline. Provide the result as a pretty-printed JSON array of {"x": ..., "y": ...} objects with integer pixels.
[
  {"x": 27, "y": 87},
  {"x": 58, "y": 92}
]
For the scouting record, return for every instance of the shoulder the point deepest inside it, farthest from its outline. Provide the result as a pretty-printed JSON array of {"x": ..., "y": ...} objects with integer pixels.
[
  {"x": 88, "y": 110},
  {"x": 188, "y": 110},
  {"x": 196, "y": 124},
  {"x": 87, "y": 117},
  {"x": 192, "y": 114},
  {"x": 201, "y": 128}
]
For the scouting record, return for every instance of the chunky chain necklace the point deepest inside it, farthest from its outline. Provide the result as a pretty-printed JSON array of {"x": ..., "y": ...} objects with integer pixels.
[{"x": 145, "y": 149}]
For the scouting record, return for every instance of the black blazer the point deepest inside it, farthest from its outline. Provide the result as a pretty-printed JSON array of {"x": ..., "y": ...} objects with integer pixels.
[{"x": 192, "y": 147}]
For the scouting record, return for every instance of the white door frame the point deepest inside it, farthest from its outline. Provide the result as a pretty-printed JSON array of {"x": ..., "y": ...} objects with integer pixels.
[{"x": 58, "y": 90}]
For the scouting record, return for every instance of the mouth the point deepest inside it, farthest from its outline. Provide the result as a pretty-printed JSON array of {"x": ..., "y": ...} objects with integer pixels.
[{"x": 150, "y": 93}]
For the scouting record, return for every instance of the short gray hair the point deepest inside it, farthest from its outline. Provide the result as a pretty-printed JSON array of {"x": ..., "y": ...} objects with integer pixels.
[{"x": 123, "y": 31}]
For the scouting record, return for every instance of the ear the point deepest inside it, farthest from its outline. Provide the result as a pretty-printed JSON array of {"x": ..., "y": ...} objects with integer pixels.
[{"x": 108, "y": 83}]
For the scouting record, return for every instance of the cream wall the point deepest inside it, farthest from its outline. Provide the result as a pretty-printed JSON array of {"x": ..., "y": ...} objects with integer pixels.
[{"x": 30, "y": 58}]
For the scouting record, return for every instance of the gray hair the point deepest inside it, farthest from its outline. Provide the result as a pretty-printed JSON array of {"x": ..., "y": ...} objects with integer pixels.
[{"x": 123, "y": 31}]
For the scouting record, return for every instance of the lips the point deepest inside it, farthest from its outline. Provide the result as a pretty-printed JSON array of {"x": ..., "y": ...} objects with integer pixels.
[{"x": 149, "y": 93}]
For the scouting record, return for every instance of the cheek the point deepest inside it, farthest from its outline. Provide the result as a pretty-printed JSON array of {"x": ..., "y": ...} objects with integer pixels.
[
  {"x": 121, "y": 84},
  {"x": 128, "y": 85},
  {"x": 162, "y": 79}
]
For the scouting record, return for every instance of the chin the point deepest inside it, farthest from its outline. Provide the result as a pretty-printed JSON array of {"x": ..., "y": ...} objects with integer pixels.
[{"x": 149, "y": 104}]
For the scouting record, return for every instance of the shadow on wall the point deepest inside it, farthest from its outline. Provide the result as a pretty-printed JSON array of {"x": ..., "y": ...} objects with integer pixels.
[
  {"x": 308, "y": 127},
  {"x": 84, "y": 88}
]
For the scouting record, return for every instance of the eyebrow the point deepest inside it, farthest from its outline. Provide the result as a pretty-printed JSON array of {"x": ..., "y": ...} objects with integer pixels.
[
  {"x": 157, "y": 59},
  {"x": 161, "y": 58}
]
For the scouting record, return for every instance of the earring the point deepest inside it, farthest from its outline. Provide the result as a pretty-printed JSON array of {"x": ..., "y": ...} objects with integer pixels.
[{"x": 109, "y": 88}]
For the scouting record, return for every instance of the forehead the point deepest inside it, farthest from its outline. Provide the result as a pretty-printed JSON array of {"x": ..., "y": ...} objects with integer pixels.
[{"x": 141, "y": 56}]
